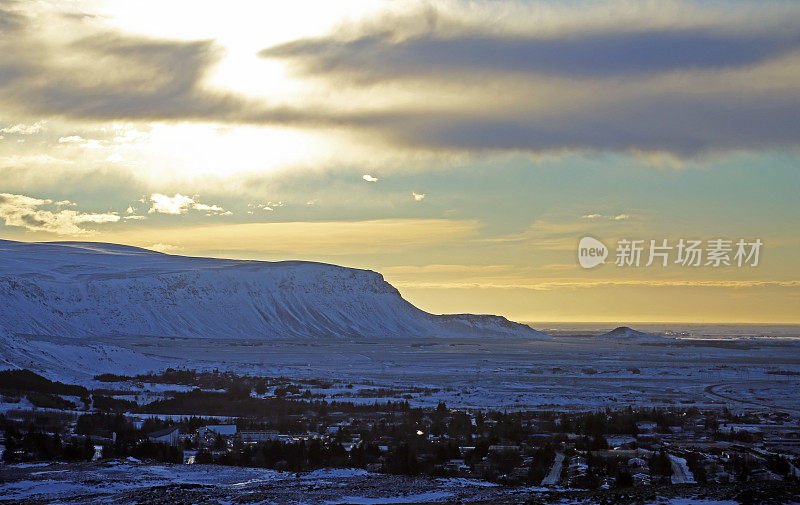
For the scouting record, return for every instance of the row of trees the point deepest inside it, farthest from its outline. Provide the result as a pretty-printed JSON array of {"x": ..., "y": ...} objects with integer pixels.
[{"x": 36, "y": 446}]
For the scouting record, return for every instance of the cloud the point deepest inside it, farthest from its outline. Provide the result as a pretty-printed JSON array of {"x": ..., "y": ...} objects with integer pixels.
[
  {"x": 96, "y": 218},
  {"x": 683, "y": 80},
  {"x": 575, "y": 55},
  {"x": 26, "y": 212},
  {"x": 87, "y": 71},
  {"x": 71, "y": 139},
  {"x": 680, "y": 79},
  {"x": 547, "y": 285},
  {"x": 617, "y": 217},
  {"x": 23, "y": 129},
  {"x": 418, "y": 197},
  {"x": 164, "y": 248},
  {"x": 163, "y": 204},
  {"x": 447, "y": 269},
  {"x": 181, "y": 204},
  {"x": 305, "y": 238},
  {"x": 369, "y": 178},
  {"x": 268, "y": 207},
  {"x": 545, "y": 234},
  {"x": 10, "y": 21},
  {"x": 208, "y": 208}
]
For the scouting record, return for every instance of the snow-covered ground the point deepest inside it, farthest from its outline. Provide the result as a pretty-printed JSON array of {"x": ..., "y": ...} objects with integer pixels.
[
  {"x": 123, "y": 482},
  {"x": 67, "y": 361},
  {"x": 508, "y": 373},
  {"x": 127, "y": 481},
  {"x": 570, "y": 373}
]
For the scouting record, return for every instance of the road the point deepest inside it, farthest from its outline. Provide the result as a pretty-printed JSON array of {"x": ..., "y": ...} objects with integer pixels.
[
  {"x": 712, "y": 391},
  {"x": 552, "y": 477},
  {"x": 680, "y": 472}
]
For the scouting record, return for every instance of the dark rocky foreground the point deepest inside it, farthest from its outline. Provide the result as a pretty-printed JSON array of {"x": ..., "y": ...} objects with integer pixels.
[{"x": 128, "y": 482}]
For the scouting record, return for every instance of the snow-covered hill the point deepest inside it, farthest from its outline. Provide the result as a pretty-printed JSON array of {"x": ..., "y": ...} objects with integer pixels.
[
  {"x": 625, "y": 334},
  {"x": 85, "y": 289},
  {"x": 68, "y": 361}
]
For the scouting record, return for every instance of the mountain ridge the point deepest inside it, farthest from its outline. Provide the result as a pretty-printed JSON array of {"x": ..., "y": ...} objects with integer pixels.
[{"x": 96, "y": 289}]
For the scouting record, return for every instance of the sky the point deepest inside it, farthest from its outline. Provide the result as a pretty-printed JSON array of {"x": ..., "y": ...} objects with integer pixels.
[{"x": 460, "y": 148}]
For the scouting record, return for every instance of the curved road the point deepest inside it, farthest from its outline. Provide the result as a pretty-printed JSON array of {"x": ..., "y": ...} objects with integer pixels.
[{"x": 711, "y": 390}]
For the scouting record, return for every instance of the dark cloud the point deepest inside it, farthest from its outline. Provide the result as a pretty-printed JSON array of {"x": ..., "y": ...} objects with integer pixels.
[
  {"x": 10, "y": 20},
  {"x": 623, "y": 71},
  {"x": 582, "y": 55},
  {"x": 119, "y": 76},
  {"x": 32, "y": 221},
  {"x": 637, "y": 88},
  {"x": 678, "y": 124},
  {"x": 109, "y": 75}
]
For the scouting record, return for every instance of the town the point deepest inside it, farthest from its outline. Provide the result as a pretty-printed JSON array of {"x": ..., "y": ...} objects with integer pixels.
[{"x": 220, "y": 418}]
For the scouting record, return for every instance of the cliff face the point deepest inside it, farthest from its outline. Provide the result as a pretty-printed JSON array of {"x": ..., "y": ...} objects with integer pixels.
[{"x": 84, "y": 289}]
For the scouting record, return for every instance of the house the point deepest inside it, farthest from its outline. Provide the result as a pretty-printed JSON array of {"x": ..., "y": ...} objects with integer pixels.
[
  {"x": 258, "y": 436},
  {"x": 226, "y": 430},
  {"x": 169, "y": 436},
  {"x": 456, "y": 465},
  {"x": 208, "y": 435}
]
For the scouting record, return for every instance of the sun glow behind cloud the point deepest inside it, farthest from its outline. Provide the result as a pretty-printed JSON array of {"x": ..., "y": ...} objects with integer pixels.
[
  {"x": 242, "y": 28},
  {"x": 174, "y": 152},
  {"x": 188, "y": 151}
]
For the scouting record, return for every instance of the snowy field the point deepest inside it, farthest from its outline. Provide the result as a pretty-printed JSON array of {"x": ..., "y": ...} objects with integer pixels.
[
  {"x": 127, "y": 482},
  {"x": 565, "y": 373}
]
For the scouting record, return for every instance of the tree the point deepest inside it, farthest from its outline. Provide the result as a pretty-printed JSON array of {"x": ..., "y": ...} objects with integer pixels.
[{"x": 404, "y": 461}]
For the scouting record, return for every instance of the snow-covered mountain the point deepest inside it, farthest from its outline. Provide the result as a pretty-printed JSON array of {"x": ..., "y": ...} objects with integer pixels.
[
  {"x": 86, "y": 289},
  {"x": 626, "y": 334}
]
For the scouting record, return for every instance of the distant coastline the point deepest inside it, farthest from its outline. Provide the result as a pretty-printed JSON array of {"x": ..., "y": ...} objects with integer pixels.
[{"x": 676, "y": 330}]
